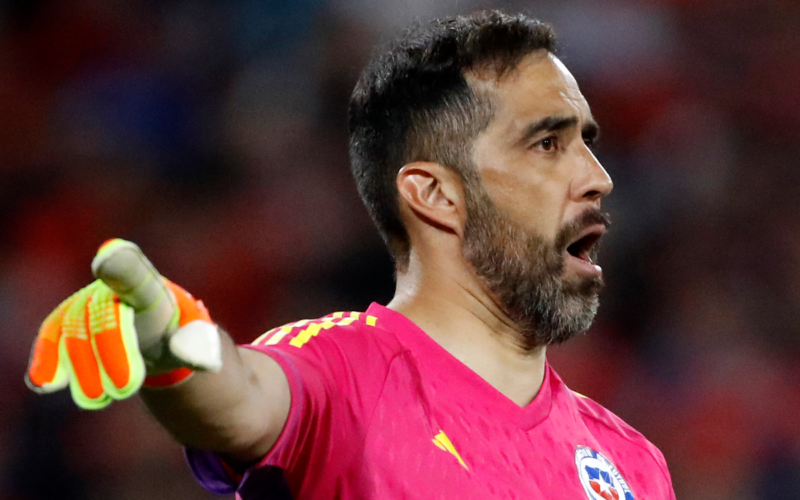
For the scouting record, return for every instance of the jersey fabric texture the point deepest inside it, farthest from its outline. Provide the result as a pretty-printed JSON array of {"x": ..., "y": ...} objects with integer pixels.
[{"x": 381, "y": 411}]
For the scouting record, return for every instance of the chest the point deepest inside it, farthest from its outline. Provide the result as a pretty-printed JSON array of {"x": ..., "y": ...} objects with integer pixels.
[{"x": 424, "y": 443}]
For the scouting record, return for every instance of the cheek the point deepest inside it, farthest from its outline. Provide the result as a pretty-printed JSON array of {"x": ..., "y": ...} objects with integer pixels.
[{"x": 531, "y": 201}]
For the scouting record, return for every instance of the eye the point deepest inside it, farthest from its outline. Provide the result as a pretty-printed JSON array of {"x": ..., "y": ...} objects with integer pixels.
[{"x": 547, "y": 144}]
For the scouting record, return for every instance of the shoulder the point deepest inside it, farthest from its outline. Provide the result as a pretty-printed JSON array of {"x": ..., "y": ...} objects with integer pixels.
[
  {"x": 342, "y": 345},
  {"x": 348, "y": 330},
  {"x": 594, "y": 413},
  {"x": 612, "y": 429}
]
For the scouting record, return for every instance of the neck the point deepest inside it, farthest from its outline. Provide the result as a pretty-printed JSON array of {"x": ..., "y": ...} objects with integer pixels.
[{"x": 450, "y": 305}]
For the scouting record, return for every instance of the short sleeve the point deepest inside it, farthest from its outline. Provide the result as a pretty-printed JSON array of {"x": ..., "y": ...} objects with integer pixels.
[{"x": 335, "y": 368}]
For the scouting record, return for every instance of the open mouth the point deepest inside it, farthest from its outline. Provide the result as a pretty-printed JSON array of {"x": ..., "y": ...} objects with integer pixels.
[{"x": 583, "y": 247}]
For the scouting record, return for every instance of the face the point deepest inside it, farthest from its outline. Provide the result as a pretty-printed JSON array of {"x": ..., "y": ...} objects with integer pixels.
[{"x": 534, "y": 216}]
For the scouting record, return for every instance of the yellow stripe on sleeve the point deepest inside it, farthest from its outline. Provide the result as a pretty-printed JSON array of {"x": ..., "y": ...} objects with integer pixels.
[{"x": 312, "y": 328}]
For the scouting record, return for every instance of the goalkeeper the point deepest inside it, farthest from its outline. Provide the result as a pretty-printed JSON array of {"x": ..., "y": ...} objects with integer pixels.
[{"x": 471, "y": 148}]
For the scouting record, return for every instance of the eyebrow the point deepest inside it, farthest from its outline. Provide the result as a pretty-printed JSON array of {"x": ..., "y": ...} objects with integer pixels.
[{"x": 591, "y": 130}]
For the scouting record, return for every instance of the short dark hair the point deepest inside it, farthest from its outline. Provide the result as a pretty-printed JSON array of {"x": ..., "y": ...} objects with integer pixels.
[{"x": 412, "y": 103}]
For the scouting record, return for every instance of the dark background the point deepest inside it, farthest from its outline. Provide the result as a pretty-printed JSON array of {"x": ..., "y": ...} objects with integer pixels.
[{"x": 213, "y": 134}]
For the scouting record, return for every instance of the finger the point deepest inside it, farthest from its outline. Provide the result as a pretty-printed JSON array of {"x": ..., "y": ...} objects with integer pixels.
[
  {"x": 114, "y": 339},
  {"x": 45, "y": 373},
  {"x": 76, "y": 348},
  {"x": 125, "y": 269}
]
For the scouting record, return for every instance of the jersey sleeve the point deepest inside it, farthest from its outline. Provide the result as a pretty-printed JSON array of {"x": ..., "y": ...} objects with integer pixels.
[{"x": 335, "y": 367}]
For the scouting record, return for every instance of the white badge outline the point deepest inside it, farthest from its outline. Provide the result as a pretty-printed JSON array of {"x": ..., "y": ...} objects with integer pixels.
[{"x": 584, "y": 452}]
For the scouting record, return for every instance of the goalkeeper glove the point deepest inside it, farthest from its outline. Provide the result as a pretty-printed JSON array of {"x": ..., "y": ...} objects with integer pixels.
[{"x": 131, "y": 321}]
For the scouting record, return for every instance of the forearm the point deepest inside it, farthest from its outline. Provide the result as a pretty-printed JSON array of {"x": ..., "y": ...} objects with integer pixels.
[{"x": 238, "y": 412}]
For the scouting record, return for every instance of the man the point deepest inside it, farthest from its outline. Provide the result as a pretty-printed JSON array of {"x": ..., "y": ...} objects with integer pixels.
[{"x": 470, "y": 145}]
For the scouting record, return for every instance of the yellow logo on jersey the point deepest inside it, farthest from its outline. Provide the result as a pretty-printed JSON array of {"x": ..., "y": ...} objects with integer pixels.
[{"x": 443, "y": 442}]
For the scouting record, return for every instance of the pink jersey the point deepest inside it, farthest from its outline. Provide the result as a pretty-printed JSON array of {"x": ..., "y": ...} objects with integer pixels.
[{"x": 381, "y": 411}]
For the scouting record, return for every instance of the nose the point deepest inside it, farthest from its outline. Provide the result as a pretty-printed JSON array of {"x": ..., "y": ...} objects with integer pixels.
[{"x": 592, "y": 182}]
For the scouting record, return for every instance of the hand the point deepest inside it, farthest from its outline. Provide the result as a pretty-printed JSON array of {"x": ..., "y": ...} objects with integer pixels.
[{"x": 130, "y": 323}]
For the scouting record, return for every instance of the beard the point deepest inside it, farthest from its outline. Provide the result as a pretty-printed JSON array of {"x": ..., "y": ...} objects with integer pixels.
[{"x": 524, "y": 272}]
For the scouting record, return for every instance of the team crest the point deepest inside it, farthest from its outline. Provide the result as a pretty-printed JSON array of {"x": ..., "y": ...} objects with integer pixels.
[{"x": 600, "y": 479}]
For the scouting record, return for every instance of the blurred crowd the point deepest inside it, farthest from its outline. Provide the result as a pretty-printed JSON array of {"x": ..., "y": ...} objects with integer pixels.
[{"x": 214, "y": 135}]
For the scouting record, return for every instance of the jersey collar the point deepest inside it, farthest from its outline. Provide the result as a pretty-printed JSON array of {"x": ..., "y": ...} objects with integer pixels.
[{"x": 449, "y": 378}]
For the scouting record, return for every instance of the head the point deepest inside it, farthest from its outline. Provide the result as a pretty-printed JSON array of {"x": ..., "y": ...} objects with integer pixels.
[{"x": 483, "y": 99}]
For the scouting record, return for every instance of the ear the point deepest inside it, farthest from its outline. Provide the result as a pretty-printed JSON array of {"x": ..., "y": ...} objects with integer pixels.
[{"x": 434, "y": 194}]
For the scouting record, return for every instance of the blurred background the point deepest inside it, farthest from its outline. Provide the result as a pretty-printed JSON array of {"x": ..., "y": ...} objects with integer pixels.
[{"x": 214, "y": 135}]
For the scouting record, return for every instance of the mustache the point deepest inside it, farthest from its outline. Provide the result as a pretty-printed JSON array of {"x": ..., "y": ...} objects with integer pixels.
[{"x": 571, "y": 230}]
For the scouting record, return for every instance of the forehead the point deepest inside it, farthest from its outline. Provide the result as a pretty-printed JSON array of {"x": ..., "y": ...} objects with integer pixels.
[{"x": 540, "y": 86}]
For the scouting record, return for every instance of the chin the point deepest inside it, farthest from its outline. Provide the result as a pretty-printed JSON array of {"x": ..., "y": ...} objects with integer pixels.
[
  {"x": 582, "y": 314},
  {"x": 564, "y": 320}
]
